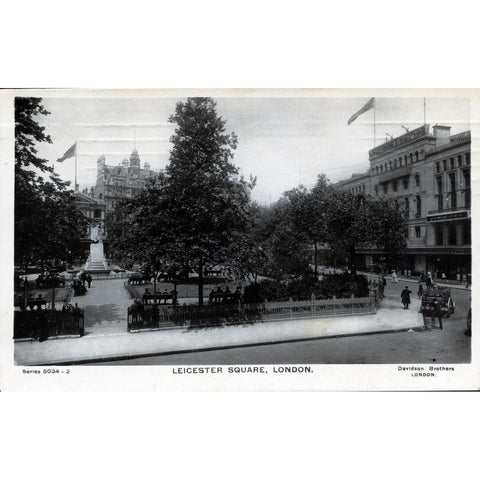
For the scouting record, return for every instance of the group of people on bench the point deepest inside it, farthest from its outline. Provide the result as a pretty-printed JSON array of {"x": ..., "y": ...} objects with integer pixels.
[
  {"x": 157, "y": 298},
  {"x": 227, "y": 296}
]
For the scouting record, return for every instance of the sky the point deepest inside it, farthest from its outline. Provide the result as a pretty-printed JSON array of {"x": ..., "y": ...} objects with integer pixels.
[{"x": 283, "y": 141}]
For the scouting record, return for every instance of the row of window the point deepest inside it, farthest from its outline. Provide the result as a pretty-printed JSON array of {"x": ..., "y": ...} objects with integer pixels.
[
  {"x": 398, "y": 162},
  {"x": 358, "y": 189},
  {"x": 451, "y": 183},
  {"x": 450, "y": 163},
  {"x": 448, "y": 234},
  {"x": 465, "y": 183},
  {"x": 395, "y": 184}
]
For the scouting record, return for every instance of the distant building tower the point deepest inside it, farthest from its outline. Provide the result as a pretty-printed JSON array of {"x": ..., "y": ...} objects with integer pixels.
[
  {"x": 100, "y": 186},
  {"x": 135, "y": 162},
  {"x": 125, "y": 163},
  {"x": 146, "y": 166}
]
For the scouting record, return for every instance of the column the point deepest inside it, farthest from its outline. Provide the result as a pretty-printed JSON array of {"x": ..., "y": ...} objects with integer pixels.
[
  {"x": 445, "y": 234},
  {"x": 459, "y": 233}
]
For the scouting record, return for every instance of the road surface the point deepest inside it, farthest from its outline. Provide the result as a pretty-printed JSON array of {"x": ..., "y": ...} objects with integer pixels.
[{"x": 449, "y": 345}]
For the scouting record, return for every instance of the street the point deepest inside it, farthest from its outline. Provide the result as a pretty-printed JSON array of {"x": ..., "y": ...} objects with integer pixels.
[{"x": 449, "y": 345}]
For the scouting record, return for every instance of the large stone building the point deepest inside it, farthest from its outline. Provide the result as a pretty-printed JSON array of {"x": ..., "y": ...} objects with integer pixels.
[
  {"x": 426, "y": 172},
  {"x": 114, "y": 183}
]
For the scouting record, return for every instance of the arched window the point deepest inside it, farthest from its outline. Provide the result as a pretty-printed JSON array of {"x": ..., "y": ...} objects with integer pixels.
[
  {"x": 416, "y": 156},
  {"x": 100, "y": 196},
  {"x": 381, "y": 168},
  {"x": 417, "y": 180}
]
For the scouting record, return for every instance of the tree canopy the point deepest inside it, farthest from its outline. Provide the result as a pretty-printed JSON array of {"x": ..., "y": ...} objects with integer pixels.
[
  {"x": 199, "y": 213},
  {"x": 47, "y": 223}
]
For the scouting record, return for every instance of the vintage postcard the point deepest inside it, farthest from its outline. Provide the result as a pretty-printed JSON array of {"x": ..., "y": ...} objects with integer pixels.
[{"x": 264, "y": 240}]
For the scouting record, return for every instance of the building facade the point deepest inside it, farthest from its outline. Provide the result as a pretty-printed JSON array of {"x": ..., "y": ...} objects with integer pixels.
[
  {"x": 426, "y": 173},
  {"x": 114, "y": 183}
]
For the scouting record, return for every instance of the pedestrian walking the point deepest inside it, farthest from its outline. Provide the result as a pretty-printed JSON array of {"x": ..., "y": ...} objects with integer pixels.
[
  {"x": 405, "y": 296},
  {"x": 420, "y": 290},
  {"x": 394, "y": 277},
  {"x": 469, "y": 280},
  {"x": 89, "y": 280}
]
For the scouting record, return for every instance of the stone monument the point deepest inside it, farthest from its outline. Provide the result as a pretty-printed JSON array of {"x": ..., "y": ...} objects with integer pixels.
[{"x": 96, "y": 262}]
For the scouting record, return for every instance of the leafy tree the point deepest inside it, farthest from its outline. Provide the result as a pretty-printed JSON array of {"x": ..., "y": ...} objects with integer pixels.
[
  {"x": 47, "y": 223},
  {"x": 389, "y": 225},
  {"x": 208, "y": 201},
  {"x": 288, "y": 246},
  {"x": 307, "y": 211},
  {"x": 356, "y": 221},
  {"x": 141, "y": 230},
  {"x": 347, "y": 227},
  {"x": 199, "y": 213}
]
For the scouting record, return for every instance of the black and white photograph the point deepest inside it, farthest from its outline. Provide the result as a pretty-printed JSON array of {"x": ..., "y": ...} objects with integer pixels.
[{"x": 228, "y": 233}]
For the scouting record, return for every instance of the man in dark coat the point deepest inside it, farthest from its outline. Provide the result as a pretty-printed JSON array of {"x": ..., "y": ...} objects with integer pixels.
[
  {"x": 406, "y": 297},
  {"x": 437, "y": 313}
]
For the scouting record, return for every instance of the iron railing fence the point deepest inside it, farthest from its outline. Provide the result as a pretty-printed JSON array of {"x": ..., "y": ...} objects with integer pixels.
[
  {"x": 194, "y": 316},
  {"x": 43, "y": 324},
  {"x": 59, "y": 295}
]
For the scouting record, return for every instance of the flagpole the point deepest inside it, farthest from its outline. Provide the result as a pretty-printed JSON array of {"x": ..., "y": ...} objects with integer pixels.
[
  {"x": 424, "y": 111},
  {"x": 76, "y": 186},
  {"x": 374, "y": 122}
]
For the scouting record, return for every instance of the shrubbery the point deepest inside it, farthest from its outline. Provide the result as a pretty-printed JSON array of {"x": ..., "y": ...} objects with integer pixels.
[{"x": 338, "y": 285}]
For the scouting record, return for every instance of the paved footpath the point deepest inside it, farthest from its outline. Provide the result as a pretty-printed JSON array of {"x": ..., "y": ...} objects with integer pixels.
[
  {"x": 111, "y": 341},
  {"x": 441, "y": 283},
  {"x": 105, "y": 306}
]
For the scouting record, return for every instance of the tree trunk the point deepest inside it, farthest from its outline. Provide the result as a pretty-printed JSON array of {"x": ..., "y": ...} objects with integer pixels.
[
  {"x": 200, "y": 280},
  {"x": 316, "y": 259},
  {"x": 175, "y": 293},
  {"x": 352, "y": 254}
]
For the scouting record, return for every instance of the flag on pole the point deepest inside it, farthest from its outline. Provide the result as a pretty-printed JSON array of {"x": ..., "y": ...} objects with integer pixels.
[
  {"x": 69, "y": 153},
  {"x": 369, "y": 105}
]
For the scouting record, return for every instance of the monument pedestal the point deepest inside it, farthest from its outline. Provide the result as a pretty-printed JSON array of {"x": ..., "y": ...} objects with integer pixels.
[{"x": 96, "y": 262}]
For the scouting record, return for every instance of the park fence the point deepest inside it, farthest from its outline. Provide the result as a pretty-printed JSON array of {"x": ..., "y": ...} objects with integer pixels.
[
  {"x": 59, "y": 295},
  {"x": 43, "y": 324},
  {"x": 195, "y": 316}
]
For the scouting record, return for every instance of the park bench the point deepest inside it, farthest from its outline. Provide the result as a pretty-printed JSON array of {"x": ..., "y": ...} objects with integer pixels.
[
  {"x": 226, "y": 298},
  {"x": 158, "y": 298},
  {"x": 138, "y": 279},
  {"x": 212, "y": 271}
]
